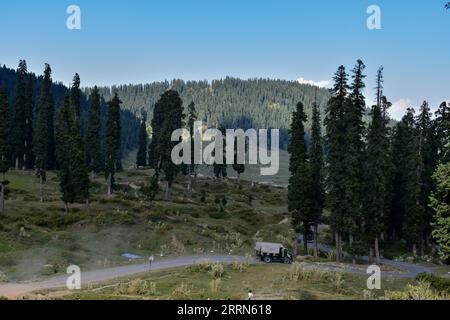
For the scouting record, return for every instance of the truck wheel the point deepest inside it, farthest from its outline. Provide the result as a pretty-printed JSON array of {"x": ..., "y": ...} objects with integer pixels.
[
  {"x": 287, "y": 261},
  {"x": 267, "y": 260}
]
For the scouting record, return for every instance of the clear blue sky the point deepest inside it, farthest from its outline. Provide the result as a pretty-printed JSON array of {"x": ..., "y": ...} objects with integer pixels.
[{"x": 146, "y": 40}]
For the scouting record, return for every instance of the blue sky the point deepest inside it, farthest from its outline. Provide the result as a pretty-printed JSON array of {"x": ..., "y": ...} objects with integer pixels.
[{"x": 147, "y": 40}]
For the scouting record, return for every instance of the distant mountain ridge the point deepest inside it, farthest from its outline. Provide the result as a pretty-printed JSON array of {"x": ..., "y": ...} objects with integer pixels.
[{"x": 232, "y": 102}]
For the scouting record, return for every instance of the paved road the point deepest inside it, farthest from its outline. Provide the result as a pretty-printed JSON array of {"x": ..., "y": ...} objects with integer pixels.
[
  {"x": 14, "y": 290},
  {"x": 410, "y": 270}
]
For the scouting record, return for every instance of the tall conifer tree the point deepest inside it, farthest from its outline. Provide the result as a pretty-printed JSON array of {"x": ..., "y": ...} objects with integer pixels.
[
  {"x": 4, "y": 147},
  {"x": 300, "y": 203},
  {"x": 317, "y": 174},
  {"x": 167, "y": 117},
  {"x": 141, "y": 158},
  {"x": 94, "y": 152},
  {"x": 18, "y": 116},
  {"x": 113, "y": 131},
  {"x": 339, "y": 195},
  {"x": 43, "y": 135},
  {"x": 375, "y": 180}
]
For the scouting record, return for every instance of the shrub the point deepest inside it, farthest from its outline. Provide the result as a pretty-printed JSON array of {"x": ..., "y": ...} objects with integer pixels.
[
  {"x": 181, "y": 292},
  {"x": 239, "y": 266},
  {"x": 338, "y": 282},
  {"x": 421, "y": 291},
  {"x": 136, "y": 287},
  {"x": 331, "y": 255},
  {"x": 214, "y": 285},
  {"x": 217, "y": 270},
  {"x": 203, "y": 265},
  {"x": 298, "y": 272},
  {"x": 437, "y": 283},
  {"x": 203, "y": 196}
]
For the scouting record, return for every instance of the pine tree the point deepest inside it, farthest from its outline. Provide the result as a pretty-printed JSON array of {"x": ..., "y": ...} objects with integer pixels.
[
  {"x": 94, "y": 152},
  {"x": 339, "y": 195},
  {"x": 299, "y": 191},
  {"x": 316, "y": 167},
  {"x": 141, "y": 159},
  {"x": 220, "y": 169},
  {"x": 409, "y": 192},
  {"x": 28, "y": 161},
  {"x": 192, "y": 167},
  {"x": 75, "y": 95},
  {"x": 4, "y": 147},
  {"x": 78, "y": 154},
  {"x": 354, "y": 155},
  {"x": 428, "y": 157},
  {"x": 18, "y": 116},
  {"x": 113, "y": 131},
  {"x": 238, "y": 167},
  {"x": 375, "y": 180},
  {"x": 72, "y": 172},
  {"x": 64, "y": 129},
  {"x": 442, "y": 127},
  {"x": 191, "y": 118},
  {"x": 440, "y": 202},
  {"x": 167, "y": 117},
  {"x": 43, "y": 135}
]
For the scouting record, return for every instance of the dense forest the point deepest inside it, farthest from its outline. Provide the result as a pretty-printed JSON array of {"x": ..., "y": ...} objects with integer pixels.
[
  {"x": 381, "y": 186},
  {"x": 234, "y": 103},
  {"x": 8, "y": 79}
]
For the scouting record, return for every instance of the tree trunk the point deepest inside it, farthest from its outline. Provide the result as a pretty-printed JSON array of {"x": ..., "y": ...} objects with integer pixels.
[
  {"x": 351, "y": 243},
  {"x": 338, "y": 254},
  {"x": 66, "y": 207},
  {"x": 305, "y": 243},
  {"x": 2, "y": 198},
  {"x": 422, "y": 247},
  {"x": 190, "y": 184},
  {"x": 41, "y": 188},
  {"x": 17, "y": 163},
  {"x": 166, "y": 195},
  {"x": 414, "y": 250},
  {"x": 377, "y": 251},
  {"x": 371, "y": 255},
  {"x": 88, "y": 206},
  {"x": 109, "y": 182},
  {"x": 315, "y": 247}
]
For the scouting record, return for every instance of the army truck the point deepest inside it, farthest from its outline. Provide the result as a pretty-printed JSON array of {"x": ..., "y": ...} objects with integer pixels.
[{"x": 273, "y": 252}]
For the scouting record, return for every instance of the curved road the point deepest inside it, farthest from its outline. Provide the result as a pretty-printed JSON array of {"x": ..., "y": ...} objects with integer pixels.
[{"x": 15, "y": 290}]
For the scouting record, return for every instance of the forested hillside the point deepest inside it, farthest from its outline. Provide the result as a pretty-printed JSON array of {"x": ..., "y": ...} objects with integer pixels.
[
  {"x": 8, "y": 78},
  {"x": 234, "y": 103}
]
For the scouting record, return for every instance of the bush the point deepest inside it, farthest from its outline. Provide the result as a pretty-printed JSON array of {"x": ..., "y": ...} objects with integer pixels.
[
  {"x": 203, "y": 196},
  {"x": 181, "y": 292},
  {"x": 298, "y": 272},
  {"x": 214, "y": 285},
  {"x": 136, "y": 287},
  {"x": 217, "y": 270},
  {"x": 421, "y": 291},
  {"x": 437, "y": 283}
]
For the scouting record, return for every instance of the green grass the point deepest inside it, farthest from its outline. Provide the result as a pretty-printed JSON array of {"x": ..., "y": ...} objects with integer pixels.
[
  {"x": 39, "y": 239},
  {"x": 266, "y": 281}
]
